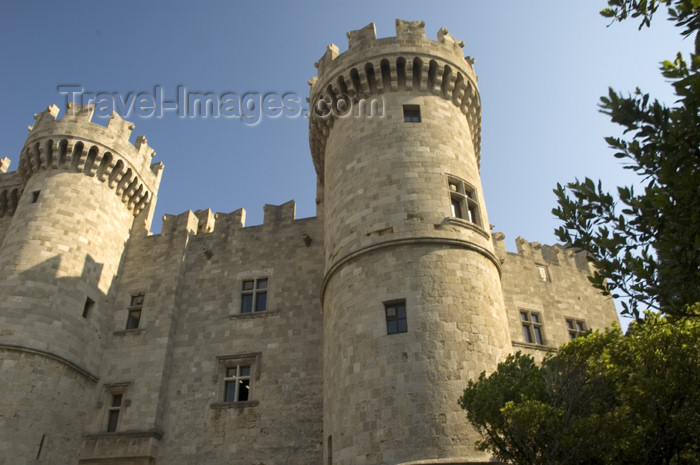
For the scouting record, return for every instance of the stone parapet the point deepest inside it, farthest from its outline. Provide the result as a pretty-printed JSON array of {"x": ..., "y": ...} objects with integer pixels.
[
  {"x": 75, "y": 143},
  {"x": 536, "y": 252},
  {"x": 372, "y": 66}
]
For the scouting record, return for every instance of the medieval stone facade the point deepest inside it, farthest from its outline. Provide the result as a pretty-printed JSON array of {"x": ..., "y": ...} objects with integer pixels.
[{"x": 342, "y": 339}]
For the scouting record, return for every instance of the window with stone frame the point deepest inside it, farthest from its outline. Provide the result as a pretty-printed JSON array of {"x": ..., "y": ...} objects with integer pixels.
[
  {"x": 463, "y": 200},
  {"x": 134, "y": 311},
  {"x": 115, "y": 397},
  {"x": 237, "y": 375},
  {"x": 254, "y": 295},
  {"x": 533, "y": 330},
  {"x": 396, "y": 321},
  {"x": 575, "y": 327},
  {"x": 113, "y": 412}
]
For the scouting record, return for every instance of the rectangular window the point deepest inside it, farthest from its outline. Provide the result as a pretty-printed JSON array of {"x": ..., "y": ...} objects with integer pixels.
[
  {"x": 411, "y": 113},
  {"x": 113, "y": 413},
  {"x": 236, "y": 378},
  {"x": 135, "y": 307},
  {"x": 463, "y": 200},
  {"x": 89, "y": 304},
  {"x": 237, "y": 383},
  {"x": 396, "y": 317},
  {"x": 542, "y": 272},
  {"x": 532, "y": 327},
  {"x": 254, "y": 295},
  {"x": 575, "y": 327},
  {"x": 35, "y": 196}
]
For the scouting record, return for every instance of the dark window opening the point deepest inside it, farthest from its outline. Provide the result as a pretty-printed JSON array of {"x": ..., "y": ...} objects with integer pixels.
[
  {"x": 113, "y": 413},
  {"x": 133, "y": 320},
  {"x": 396, "y": 321},
  {"x": 237, "y": 383},
  {"x": 254, "y": 295},
  {"x": 330, "y": 449},
  {"x": 575, "y": 327},
  {"x": 135, "y": 307},
  {"x": 532, "y": 327},
  {"x": 35, "y": 196},
  {"x": 472, "y": 216},
  {"x": 89, "y": 304},
  {"x": 411, "y": 113}
]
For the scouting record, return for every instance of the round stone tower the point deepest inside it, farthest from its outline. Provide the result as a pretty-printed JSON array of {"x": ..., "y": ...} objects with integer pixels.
[
  {"x": 84, "y": 186},
  {"x": 412, "y": 298}
]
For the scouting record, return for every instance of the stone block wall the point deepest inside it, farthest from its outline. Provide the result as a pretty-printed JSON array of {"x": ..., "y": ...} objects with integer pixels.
[
  {"x": 10, "y": 191},
  {"x": 191, "y": 329},
  {"x": 41, "y": 419},
  {"x": 551, "y": 281}
]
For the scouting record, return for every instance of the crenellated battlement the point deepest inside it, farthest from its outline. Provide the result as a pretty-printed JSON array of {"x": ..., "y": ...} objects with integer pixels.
[
  {"x": 204, "y": 222},
  {"x": 542, "y": 253},
  {"x": 4, "y": 164},
  {"x": 409, "y": 62},
  {"x": 210, "y": 222},
  {"x": 410, "y": 37},
  {"x": 75, "y": 143}
]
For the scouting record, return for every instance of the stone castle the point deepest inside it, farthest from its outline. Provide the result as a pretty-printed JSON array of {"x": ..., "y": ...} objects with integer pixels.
[{"x": 341, "y": 339}]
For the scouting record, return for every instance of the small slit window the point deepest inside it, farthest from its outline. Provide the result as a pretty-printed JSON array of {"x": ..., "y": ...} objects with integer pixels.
[
  {"x": 35, "y": 196},
  {"x": 330, "y": 449},
  {"x": 411, "y": 114},
  {"x": 87, "y": 308}
]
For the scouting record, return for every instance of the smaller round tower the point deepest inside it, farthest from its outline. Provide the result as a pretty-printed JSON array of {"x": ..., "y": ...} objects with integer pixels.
[
  {"x": 412, "y": 300},
  {"x": 83, "y": 188}
]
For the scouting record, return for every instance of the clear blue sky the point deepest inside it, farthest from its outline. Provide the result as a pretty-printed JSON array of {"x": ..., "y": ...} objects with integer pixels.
[{"x": 542, "y": 66}]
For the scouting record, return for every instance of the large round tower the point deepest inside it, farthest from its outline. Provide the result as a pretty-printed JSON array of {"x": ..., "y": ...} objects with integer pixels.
[
  {"x": 84, "y": 186},
  {"x": 412, "y": 298}
]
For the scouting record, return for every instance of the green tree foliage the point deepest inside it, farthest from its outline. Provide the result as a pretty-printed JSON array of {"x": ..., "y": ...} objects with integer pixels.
[
  {"x": 645, "y": 242},
  {"x": 604, "y": 398},
  {"x": 609, "y": 398}
]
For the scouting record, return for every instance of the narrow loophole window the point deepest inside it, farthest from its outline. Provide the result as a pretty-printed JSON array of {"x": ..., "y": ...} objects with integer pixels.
[{"x": 89, "y": 304}]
